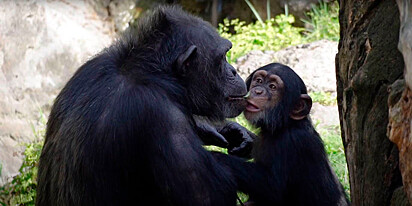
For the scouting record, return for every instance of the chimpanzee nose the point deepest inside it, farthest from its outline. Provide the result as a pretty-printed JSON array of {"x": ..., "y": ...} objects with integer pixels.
[
  {"x": 233, "y": 71},
  {"x": 258, "y": 91}
]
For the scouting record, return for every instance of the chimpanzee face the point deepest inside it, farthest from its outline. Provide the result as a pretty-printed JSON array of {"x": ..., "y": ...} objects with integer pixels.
[
  {"x": 266, "y": 91},
  {"x": 277, "y": 97},
  {"x": 214, "y": 88},
  {"x": 234, "y": 88}
]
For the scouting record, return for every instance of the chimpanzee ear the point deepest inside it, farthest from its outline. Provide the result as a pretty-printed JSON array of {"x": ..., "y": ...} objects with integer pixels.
[
  {"x": 302, "y": 108},
  {"x": 184, "y": 59}
]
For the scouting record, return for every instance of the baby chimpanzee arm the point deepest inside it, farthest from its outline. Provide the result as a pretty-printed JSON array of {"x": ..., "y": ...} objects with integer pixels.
[{"x": 253, "y": 179}]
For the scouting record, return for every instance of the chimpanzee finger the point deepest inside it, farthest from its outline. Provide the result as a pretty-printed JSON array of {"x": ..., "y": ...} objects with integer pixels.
[
  {"x": 219, "y": 140},
  {"x": 229, "y": 128},
  {"x": 243, "y": 150}
]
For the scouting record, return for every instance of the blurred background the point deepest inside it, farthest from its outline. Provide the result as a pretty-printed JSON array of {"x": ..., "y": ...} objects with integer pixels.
[{"x": 43, "y": 42}]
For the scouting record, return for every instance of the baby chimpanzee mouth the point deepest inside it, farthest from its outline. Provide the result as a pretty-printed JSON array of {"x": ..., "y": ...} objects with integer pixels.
[{"x": 251, "y": 107}]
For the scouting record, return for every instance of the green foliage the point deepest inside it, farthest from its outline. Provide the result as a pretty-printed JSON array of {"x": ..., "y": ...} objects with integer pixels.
[
  {"x": 323, "y": 98},
  {"x": 242, "y": 197},
  {"x": 323, "y": 22},
  {"x": 22, "y": 189},
  {"x": 331, "y": 137},
  {"x": 243, "y": 121},
  {"x": 278, "y": 33},
  {"x": 274, "y": 34}
]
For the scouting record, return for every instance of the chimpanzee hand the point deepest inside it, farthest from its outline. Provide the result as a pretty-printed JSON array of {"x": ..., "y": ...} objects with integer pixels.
[
  {"x": 209, "y": 134},
  {"x": 240, "y": 139}
]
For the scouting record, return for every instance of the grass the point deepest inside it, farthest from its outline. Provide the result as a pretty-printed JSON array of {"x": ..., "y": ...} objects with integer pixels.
[
  {"x": 277, "y": 33},
  {"x": 274, "y": 34},
  {"x": 324, "y": 98},
  {"x": 331, "y": 136},
  {"x": 323, "y": 22}
]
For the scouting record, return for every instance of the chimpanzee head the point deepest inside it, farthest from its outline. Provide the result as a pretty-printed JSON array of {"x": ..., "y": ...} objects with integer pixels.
[
  {"x": 213, "y": 85},
  {"x": 192, "y": 52},
  {"x": 277, "y": 97}
]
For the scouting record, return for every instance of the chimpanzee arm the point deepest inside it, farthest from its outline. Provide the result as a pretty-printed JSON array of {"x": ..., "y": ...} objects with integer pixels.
[
  {"x": 257, "y": 181},
  {"x": 199, "y": 179}
]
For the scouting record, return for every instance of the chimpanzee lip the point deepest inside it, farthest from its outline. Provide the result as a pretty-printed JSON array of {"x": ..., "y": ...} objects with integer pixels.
[
  {"x": 236, "y": 97},
  {"x": 251, "y": 107}
]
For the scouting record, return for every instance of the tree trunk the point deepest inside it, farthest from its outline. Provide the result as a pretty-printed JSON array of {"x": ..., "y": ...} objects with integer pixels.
[
  {"x": 400, "y": 106},
  {"x": 367, "y": 63}
]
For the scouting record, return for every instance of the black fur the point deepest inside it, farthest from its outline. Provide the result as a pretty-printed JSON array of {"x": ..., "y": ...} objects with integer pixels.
[
  {"x": 291, "y": 166},
  {"x": 121, "y": 131}
]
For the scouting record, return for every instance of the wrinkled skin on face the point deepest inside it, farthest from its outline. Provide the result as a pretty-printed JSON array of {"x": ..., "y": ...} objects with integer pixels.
[
  {"x": 214, "y": 89},
  {"x": 266, "y": 91}
]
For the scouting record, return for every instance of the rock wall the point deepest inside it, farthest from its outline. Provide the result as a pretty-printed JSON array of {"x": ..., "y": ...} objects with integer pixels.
[{"x": 41, "y": 44}]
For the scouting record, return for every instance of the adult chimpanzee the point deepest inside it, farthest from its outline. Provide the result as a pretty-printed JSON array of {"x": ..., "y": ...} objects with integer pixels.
[
  {"x": 291, "y": 166},
  {"x": 121, "y": 132}
]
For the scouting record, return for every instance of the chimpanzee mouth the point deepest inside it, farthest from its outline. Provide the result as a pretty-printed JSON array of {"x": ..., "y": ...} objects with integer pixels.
[
  {"x": 251, "y": 107},
  {"x": 236, "y": 98}
]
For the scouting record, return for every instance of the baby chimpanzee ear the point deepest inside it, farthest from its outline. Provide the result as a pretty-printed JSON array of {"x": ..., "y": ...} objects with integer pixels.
[{"x": 302, "y": 108}]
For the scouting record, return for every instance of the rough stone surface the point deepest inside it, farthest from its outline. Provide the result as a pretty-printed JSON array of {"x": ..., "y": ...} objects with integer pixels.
[
  {"x": 324, "y": 116},
  {"x": 41, "y": 44},
  {"x": 368, "y": 62},
  {"x": 120, "y": 12},
  {"x": 314, "y": 63},
  {"x": 245, "y": 65}
]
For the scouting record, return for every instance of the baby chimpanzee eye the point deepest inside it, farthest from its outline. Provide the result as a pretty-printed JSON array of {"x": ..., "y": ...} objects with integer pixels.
[{"x": 272, "y": 86}]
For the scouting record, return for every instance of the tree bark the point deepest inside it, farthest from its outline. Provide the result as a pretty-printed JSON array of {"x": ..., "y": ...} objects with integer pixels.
[
  {"x": 400, "y": 106},
  {"x": 367, "y": 63}
]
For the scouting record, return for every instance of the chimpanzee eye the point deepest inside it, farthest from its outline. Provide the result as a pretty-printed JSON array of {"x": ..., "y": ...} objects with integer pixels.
[{"x": 272, "y": 86}]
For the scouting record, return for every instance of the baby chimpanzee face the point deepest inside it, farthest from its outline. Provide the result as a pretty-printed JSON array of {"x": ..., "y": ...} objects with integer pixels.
[
  {"x": 277, "y": 97},
  {"x": 266, "y": 91}
]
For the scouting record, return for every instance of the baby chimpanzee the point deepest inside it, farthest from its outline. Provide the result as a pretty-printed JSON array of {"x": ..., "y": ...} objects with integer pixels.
[{"x": 290, "y": 164}]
